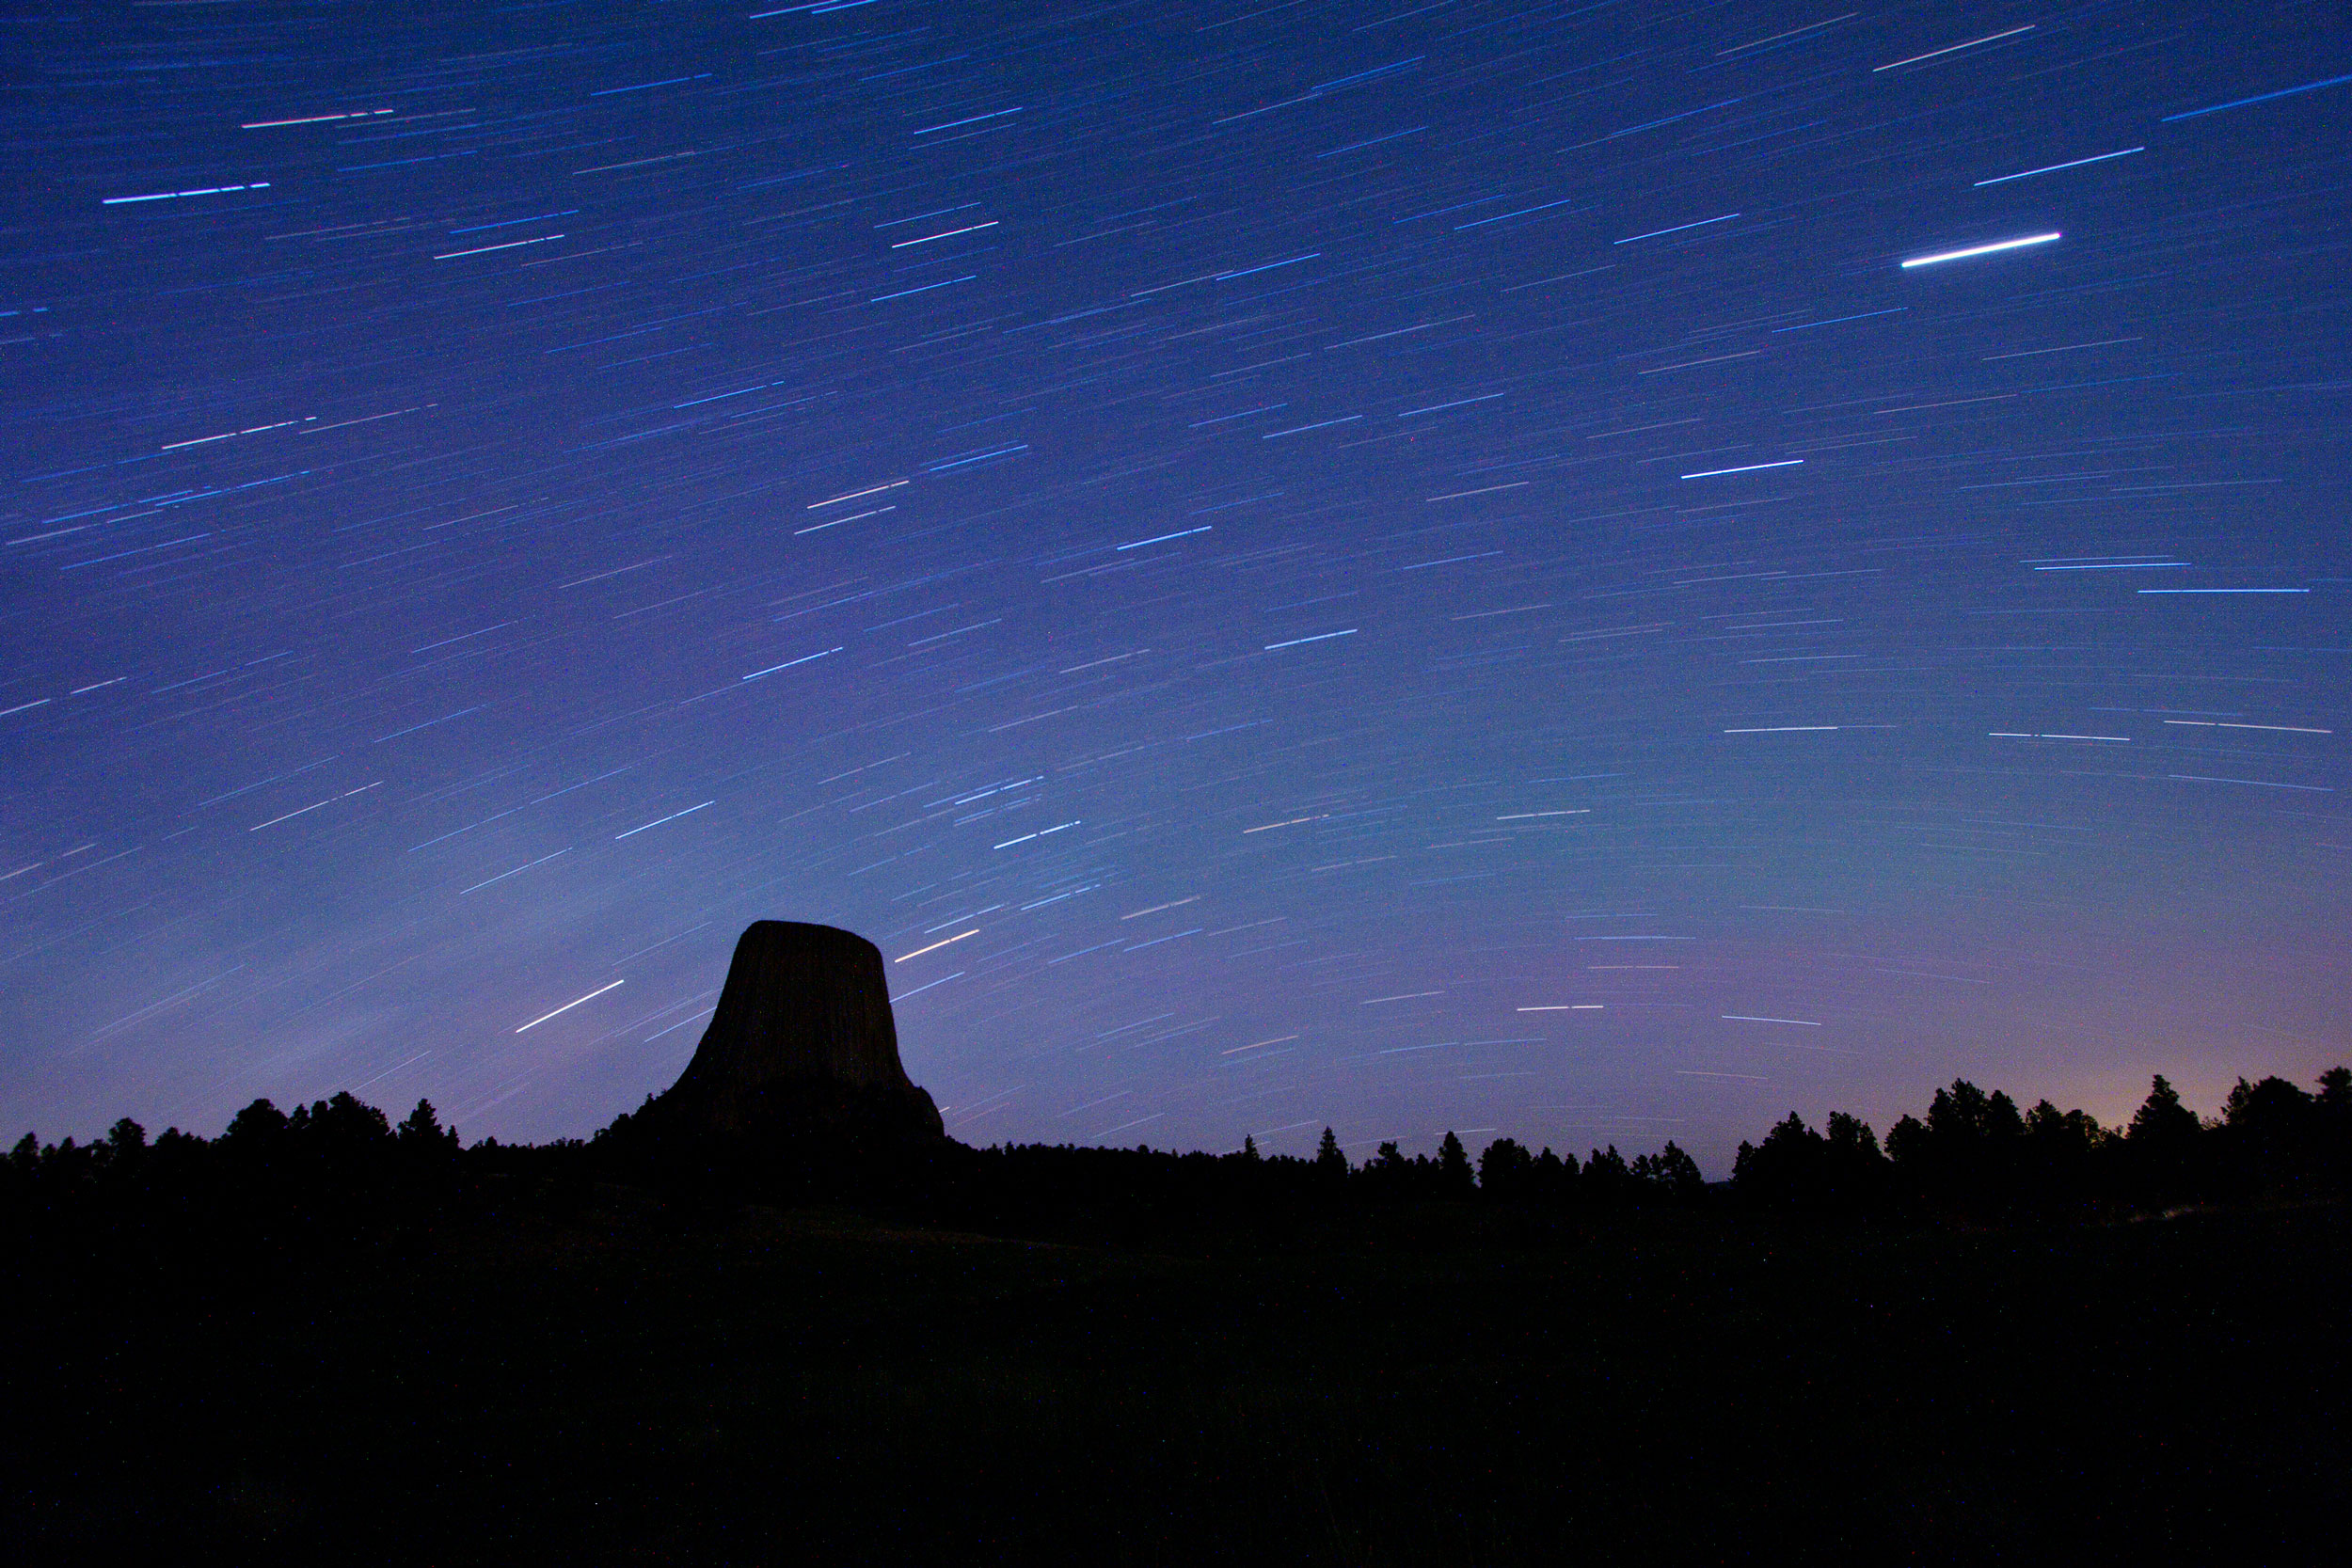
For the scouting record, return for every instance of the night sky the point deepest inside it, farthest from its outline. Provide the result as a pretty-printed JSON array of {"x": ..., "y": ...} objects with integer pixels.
[{"x": 1470, "y": 566}]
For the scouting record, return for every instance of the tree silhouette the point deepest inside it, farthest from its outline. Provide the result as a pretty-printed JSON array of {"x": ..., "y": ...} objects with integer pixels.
[
  {"x": 2060, "y": 1148},
  {"x": 2331, "y": 1121},
  {"x": 347, "y": 1122},
  {"x": 1964, "y": 1115},
  {"x": 2272, "y": 1108},
  {"x": 1854, "y": 1170},
  {"x": 1606, "y": 1179},
  {"x": 1670, "y": 1175},
  {"x": 1789, "y": 1167},
  {"x": 2165, "y": 1142},
  {"x": 1968, "y": 1148},
  {"x": 2162, "y": 1120},
  {"x": 422, "y": 1131},
  {"x": 1907, "y": 1146},
  {"x": 2270, "y": 1134},
  {"x": 256, "y": 1128},
  {"x": 1454, "y": 1168},
  {"x": 1387, "y": 1174},
  {"x": 2050, "y": 1128},
  {"x": 2001, "y": 1121},
  {"x": 1505, "y": 1171},
  {"x": 1795, "y": 1165},
  {"x": 1851, "y": 1135},
  {"x": 1555, "y": 1180},
  {"x": 1330, "y": 1161}
]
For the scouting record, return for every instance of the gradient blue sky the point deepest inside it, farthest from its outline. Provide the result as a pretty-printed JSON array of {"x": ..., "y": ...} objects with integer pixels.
[{"x": 1291, "y": 565}]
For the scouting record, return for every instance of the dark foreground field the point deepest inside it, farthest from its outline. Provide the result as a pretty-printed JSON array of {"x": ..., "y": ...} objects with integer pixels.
[{"x": 609, "y": 1379}]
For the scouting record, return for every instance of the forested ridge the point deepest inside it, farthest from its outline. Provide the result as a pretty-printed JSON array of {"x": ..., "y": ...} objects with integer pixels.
[{"x": 338, "y": 1165}]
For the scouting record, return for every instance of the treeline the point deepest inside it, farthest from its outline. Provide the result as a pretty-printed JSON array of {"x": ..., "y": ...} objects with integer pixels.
[
  {"x": 1021, "y": 1183},
  {"x": 1974, "y": 1148},
  {"x": 339, "y": 1168},
  {"x": 273, "y": 1182},
  {"x": 1973, "y": 1151}
]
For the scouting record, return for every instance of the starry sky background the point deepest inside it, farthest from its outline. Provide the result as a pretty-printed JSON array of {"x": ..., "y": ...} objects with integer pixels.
[{"x": 1407, "y": 567}]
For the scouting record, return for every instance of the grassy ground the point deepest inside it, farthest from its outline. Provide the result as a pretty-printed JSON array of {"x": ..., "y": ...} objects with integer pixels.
[{"x": 614, "y": 1380}]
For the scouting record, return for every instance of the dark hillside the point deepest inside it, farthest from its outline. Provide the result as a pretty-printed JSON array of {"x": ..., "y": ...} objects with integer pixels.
[{"x": 589, "y": 1372}]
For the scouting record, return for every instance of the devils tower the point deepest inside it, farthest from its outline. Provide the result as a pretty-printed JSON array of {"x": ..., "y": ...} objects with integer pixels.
[{"x": 800, "y": 1052}]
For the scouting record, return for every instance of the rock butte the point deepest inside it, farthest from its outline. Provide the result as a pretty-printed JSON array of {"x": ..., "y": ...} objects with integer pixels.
[{"x": 801, "y": 1044}]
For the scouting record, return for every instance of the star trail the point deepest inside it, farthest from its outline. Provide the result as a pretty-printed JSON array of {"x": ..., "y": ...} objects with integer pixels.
[{"x": 1579, "y": 569}]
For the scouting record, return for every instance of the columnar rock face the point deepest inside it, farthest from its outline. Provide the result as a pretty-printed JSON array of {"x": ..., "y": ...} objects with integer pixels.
[{"x": 801, "y": 1044}]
